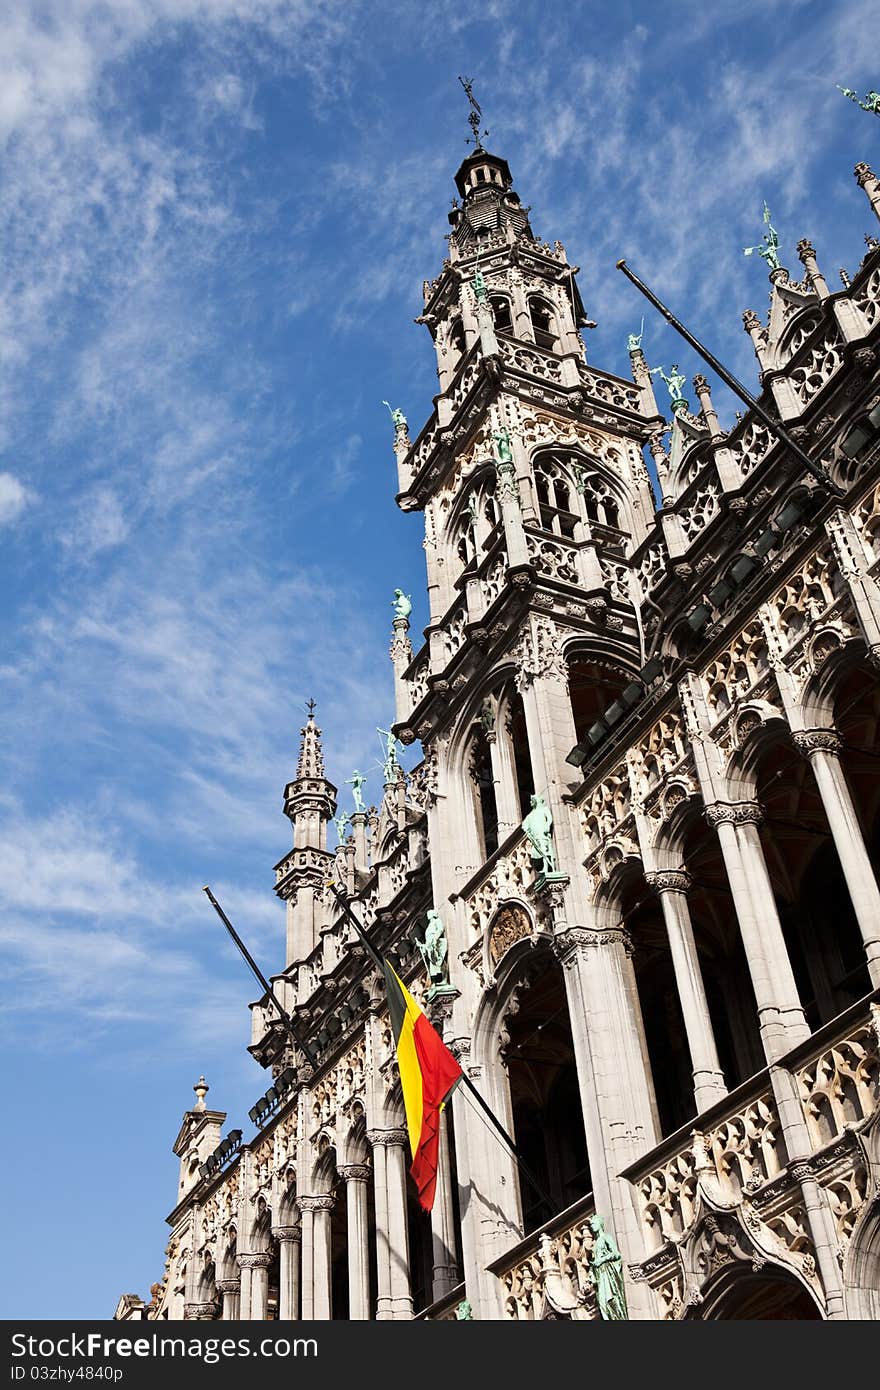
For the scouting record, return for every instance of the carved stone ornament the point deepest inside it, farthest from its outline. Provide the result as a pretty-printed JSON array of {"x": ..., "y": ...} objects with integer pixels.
[
  {"x": 200, "y": 1312},
  {"x": 539, "y": 653},
  {"x": 283, "y": 1233},
  {"x": 511, "y": 924},
  {"x": 255, "y": 1261},
  {"x": 322, "y": 1202},
  {"x": 734, "y": 813},
  {"x": 228, "y": 1286},
  {"x": 669, "y": 880},
  {"x": 817, "y": 741},
  {"x": 388, "y": 1137},
  {"x": 356, "y": 1172}
]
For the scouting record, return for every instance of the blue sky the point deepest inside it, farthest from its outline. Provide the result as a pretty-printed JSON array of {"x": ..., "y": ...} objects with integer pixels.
[{"x": 216, "y": 217}]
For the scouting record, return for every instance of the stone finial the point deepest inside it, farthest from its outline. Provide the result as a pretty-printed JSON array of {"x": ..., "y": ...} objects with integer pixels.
[
  {"x": 701, "y": 385},
  {"x": 806, "y": 250},
  {"x": 201, "y": 1089},
  {"x": 750, "y": 320}
]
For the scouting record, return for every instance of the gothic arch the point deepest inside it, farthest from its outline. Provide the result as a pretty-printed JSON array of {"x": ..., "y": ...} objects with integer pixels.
[
  {"x": 861, "y": 1266},
  {"x": 744, "y": 1293}
]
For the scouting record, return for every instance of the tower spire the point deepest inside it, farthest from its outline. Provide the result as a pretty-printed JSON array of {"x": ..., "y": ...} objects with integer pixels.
[{"x": 311, "y": 755}]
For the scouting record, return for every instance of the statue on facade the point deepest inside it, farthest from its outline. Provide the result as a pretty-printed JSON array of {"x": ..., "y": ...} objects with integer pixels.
[
  {"x": 341, "y": 823},
  {"x": 357, "y": 782},
  {"x": 390, "y": 765},
  {"x": 398, "y": 419},
  {"x": 402, "y": 604},
  {"x": 434, "y": 950},
  {"x": 538, "y": 828},
  {"x": 606, "y": 1273},
  {"x": 481, "y": 290},
  {"x": 870, "y": 103},
  {"x": 768, "y": 249},
  {"x": 674, "y": 383},
  {"x": 502, "y": 440},
  {"x": 463, "y": 1311},
  {"x": 634, "y": 340}
]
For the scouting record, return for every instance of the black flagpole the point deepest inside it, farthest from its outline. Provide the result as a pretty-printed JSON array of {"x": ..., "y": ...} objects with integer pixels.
[
  {"x": 285, "y": 1016},
  {"x": 465, "y": 1079},
  {"x": 774, "y": 426}
]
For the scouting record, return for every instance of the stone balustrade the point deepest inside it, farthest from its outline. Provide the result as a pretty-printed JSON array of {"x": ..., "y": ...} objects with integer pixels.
[{"x": 547, "y": 1274}]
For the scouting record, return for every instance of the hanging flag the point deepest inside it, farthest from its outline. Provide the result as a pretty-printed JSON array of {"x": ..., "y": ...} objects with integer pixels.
[{"x": 428, "y": 1075}]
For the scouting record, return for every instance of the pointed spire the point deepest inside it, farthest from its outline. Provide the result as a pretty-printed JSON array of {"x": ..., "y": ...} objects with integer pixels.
[{"x": 311, "y": 755}]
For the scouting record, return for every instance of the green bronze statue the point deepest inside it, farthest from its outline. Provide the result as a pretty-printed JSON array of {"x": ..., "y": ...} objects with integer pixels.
[
  {"x": 463, "y": 1311},
  {"x": 357, "y": 782},
  {"x": 402, "y": 604},
  {"x": 481, "y": 291},
  {"x": 390, "y": 766},
  {"x": 606, "y": 1273},
  {"x": 634, "y": 340},
  {"x": 870, "y": 103},
  {"x": 674, "y": 383},
  {"x": 768, "y": 250},
  {"x": 341, "y": 823},
  {"x": 398, "y": 419},
  {"x": 434, "y": 950},
  {"x": 502, "y": 440},
  {"x": 538, "y": 828}
]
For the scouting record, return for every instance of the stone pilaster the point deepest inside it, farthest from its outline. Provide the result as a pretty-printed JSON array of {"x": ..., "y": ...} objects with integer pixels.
[{"x": 289, "y": 1240}]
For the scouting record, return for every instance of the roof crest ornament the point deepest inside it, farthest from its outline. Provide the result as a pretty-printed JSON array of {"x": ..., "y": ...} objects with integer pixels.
[{"x": 475, "y": 116}]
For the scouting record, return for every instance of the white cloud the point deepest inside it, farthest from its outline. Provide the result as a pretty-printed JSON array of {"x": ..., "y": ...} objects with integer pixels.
[{"x": 14, "y": 497}]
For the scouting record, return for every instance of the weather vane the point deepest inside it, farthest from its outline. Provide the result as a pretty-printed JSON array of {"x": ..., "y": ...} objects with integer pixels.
[
  {"x": 476, "y": 114},
  {"x": 311, "y": 706}
]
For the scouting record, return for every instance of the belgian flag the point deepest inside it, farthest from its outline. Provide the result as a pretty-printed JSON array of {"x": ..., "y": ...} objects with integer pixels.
[{"x": 428, "y": 1075}]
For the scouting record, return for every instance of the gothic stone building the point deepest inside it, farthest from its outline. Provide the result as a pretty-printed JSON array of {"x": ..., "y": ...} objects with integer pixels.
[{"x": 680, "y": 1026}]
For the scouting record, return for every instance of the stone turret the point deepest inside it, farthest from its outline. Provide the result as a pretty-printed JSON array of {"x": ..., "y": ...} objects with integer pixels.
[{"x": 309, "y": 804}]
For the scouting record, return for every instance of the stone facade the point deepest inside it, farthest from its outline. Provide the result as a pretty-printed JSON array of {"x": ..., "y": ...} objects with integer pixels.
[{"x": 682, "y": 1025}]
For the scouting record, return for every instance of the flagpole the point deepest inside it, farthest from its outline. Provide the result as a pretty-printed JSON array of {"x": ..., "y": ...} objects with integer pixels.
[
  {"x": 465, "y": 1079},
  {"x": 285, "y": 1016},
  {"x": 774, "y": 425}
]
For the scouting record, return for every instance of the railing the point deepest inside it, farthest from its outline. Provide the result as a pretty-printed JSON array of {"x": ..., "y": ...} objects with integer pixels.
[
  {"x": 445, "y": 1309},
  {"x": 548, "y": 1273}
]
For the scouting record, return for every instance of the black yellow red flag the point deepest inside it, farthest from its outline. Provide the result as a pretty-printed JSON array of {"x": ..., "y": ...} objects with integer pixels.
[{"x": 428, "y": 1075}]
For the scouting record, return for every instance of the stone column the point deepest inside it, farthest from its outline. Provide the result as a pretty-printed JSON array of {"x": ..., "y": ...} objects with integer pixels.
[
  {"x": 320, "y": 1208},
  {"x": 244, "y": 1304},
  {"x": 504, "y": 779},
  {"x": 614, "y": 1079},
  {"x": 307, "y": 1281},
  {"x": 823, "y": 747},
  {"x": 288, "y": 1238},
  {"x": 445, "y": 1274},
  {"x": 230, "y": 1289},
  {"x": 257, "y": 1266},
  {"x": 672, "y": 886},
  {"x": 356, "y": 1176},
  {"x": 392, "y": 1247},
  {"x": 780, "y": 1012}
]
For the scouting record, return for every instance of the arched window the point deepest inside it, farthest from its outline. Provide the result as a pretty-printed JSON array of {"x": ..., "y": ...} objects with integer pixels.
[
  {"x": 502, "y": 314},
  {"x": 456, "y": 336},
  {"x": 480, "y": 769},
  {"x": 554, "y": 499},
  {"x": 543, "y": 323}
]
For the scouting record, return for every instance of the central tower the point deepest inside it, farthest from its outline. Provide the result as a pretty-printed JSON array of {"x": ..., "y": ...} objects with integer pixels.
[{"x": 531, "y": 477}]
